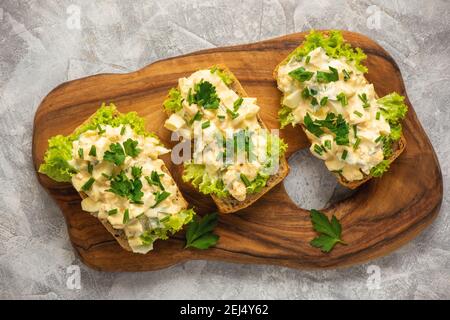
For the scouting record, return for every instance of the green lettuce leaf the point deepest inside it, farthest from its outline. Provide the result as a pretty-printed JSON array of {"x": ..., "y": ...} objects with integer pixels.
[
  {"x": 169, "y": 227},
  {"x": 197, "y": 176},
  {"x": 56, "y": 158},
  {"x": 394, "y": 108},
  {"x": 285, "y": 116},
  {"x": 173, "y": 102},
  {"x": 59, "y": 150},
  {"x": 379, "y": 169},
  {"x": 227, "y": 78},
  {"x": 334, "y": 45}
]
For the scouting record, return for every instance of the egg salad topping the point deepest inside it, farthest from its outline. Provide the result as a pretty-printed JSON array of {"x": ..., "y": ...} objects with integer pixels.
[
  {"x": 127, "y": 185},
  {"x": 343, "y": 118},
  {"x": 233, "y": 154}
]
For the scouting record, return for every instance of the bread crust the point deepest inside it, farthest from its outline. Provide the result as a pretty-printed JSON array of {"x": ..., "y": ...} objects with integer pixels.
[
  {"x": 119, "y": 234},
  {"x": 398, "y": 147},
  {"x": 229, "y": 204}
]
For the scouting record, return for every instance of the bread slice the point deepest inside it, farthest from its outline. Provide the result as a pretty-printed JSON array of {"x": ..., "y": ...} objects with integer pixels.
[
  {"x": 230, "y": 204},
  {"x": 398, "y": 147},
  {"x": 119, "y": 234}
]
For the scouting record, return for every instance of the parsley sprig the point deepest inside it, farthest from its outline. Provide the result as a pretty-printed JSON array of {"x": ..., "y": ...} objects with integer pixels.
[
  {"x": 155, "y": 180},
  {"x": 329, "y": 231},
  {"x": 129, "y": 188},
  {"x": 200, "y": 232},
  {"x": 205, "y": 95}
]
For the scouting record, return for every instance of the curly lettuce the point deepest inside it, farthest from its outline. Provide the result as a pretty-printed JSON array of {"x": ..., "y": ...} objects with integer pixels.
[
  {"x": 168, "y": 227},
  {"x": 59, "y": 152},
  {"x": 226, "y": 77},
  {"x": 173, "y": 101},
  {"x": 334, "y": 45},
  {"x": 200, "y": 179}
]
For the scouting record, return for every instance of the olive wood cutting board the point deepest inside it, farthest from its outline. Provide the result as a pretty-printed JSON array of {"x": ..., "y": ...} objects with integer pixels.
[{"x": 381, "y": 216}]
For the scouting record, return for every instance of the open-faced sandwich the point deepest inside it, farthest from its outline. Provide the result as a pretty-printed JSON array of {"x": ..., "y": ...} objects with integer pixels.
[
  {"x": 113, "y": 163},
  {"x": 235, "y": 159},
  {"x": 354, "y": 131}
]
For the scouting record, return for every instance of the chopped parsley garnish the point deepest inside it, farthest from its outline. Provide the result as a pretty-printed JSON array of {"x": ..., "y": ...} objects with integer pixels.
[
  {"x": 342, "y": 98},
  {"x": 160, "y": 197},
  {"x": 245, "y": 180},
  {"x": 312, "y": 127},
  {"x": 197, "y": 117},
  {"x": 326, "y": 77},
  {"x": 88, "y": 185},
  {"x": 301, "y": 74},
  {"x": 206, "y": 124},
  {"x": 365, "y": 101},
  {"x": 112, "y": 212},
  {"x": 136, "y": 172},
  {"x": 330, "y": 231},
  {"x": 155, "y": 180},
  {"x": 115, "y": 154},
  {"x": 359, "y": 114},
  {"x": 346, "y": 74},
  {"x": 126, "y": 216},
  {"x": 313, "y": 91},
  {"x": 124, "y": 187},
  {"x": 305, "y": 93},
  {"x": 90, "y": 168},
  {"x": 131, "y": 148},
  {"x": 323, "y": 101},
  {"x": 344, "y": 155},
  {"x": 93, "y": 151},
  {"x": 314, "y": 101},
  {"x": 81, "y": 153},
  {"x": 205, "y": 95},
  {"x": 336, "y": 125}
]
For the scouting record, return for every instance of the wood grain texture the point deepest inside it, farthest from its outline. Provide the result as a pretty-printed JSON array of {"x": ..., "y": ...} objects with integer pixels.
[{"x": 380, "y": 217}]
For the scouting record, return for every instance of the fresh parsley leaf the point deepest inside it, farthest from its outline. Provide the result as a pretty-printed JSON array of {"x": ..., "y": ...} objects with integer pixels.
[
  {"x": 124, "y": 187},
  {"x": 305, "y": 93},
  {"x": 314, "y": 101},
  {"x": 81, "y": 153},
  {"x": 136, "y": 172},
  {"x": 115, "y": 154},
  {"x": 93, "y": 151},
  {"x": 330, "y": 231},
  {"x": 131, "y": 148},
  {"x": 326, "y": 77},
  {"x": 301, "y": 74},
  {"x": 154, "y": 180},
  {"x": 160, "y": 197},
  {"x": 323, "y": 101},
  {"x": 136, "y": 194},
  {"x": 337, "y": 125},
  {"x": 205, "y": 95},
  {"x": 88, "y": 185},
  {"x": 200, "y": 232}
]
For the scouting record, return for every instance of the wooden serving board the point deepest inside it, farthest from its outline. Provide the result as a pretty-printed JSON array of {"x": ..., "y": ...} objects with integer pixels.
[{"x": 380, "y": 217}]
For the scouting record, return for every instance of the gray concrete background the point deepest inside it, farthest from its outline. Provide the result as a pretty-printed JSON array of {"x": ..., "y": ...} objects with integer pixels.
[{"x": 41, "y": 47}]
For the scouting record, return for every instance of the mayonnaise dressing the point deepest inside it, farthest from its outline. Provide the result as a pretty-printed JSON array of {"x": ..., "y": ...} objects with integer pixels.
[
  {"x": 224, "y": 122},
  {"x": 366, "y": 122},
  {"x": 134, "y": 219}
]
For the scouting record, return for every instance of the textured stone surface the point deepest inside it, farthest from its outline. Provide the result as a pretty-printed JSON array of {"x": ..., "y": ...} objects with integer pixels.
[{"x": 40, "y": 47}]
